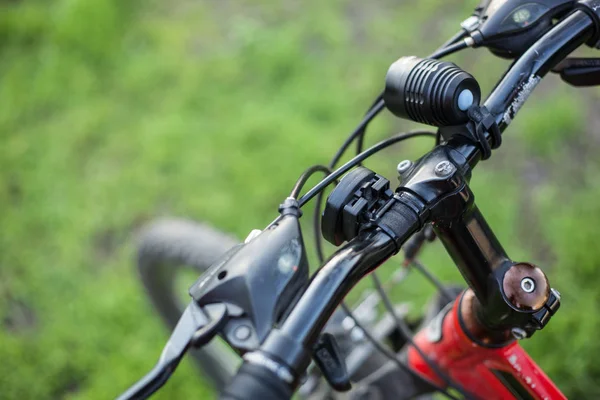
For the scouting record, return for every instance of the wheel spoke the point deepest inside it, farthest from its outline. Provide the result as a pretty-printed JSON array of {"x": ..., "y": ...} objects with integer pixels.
[{"x": 443, "y": 290}]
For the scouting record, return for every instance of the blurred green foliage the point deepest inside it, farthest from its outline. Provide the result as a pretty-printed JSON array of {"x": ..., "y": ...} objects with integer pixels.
[{"x": 113, "y": 113}]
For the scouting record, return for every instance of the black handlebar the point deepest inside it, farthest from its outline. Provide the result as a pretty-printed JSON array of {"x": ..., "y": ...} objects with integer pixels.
[
  {"x": 288, "y": 347},
  {"x": 290, "y": 344},
  {"x": 434, "y": 190},
  {"x": 254, "y": 381},
  {"x": 513, "y": 90},
  {"x": 509, "y": 95}
]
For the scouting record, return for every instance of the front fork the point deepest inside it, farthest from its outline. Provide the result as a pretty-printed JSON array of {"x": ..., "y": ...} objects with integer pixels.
[{"x": 503, "y": 371}]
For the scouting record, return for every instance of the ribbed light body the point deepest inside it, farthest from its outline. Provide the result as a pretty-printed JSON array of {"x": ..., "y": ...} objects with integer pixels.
[{"x": 428, "y": 91}]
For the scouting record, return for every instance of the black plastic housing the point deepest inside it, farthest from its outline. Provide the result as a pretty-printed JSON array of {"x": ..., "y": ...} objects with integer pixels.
[
  {"x": 428, "y": 91},
  {"x": 353, "y": 201},
  {"x": 262, "y": 277},
  {"x": 509, "y": 27}
]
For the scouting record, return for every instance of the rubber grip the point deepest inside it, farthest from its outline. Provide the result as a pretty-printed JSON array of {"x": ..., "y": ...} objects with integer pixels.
[{"x": 253, "y": 382}]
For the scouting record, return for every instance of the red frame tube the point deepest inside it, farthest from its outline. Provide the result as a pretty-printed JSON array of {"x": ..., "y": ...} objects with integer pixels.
[{"x": 489, "y": 373}]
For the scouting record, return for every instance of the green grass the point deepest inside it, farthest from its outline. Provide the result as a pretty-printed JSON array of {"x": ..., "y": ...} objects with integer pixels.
[{"x": 113, "y": 113}]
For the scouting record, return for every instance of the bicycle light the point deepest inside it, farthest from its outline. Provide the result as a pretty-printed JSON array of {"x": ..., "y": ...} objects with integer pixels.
[{"x": 429, "y": 91}]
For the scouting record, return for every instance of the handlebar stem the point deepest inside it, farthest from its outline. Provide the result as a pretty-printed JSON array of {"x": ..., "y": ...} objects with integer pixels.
[
  {"x": 440, "y": 180},
  {"x": 434, "y": 190}
]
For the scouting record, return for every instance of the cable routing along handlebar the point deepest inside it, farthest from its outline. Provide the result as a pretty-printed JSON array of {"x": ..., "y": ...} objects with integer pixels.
[
  {"x": 434, "y": 189},
  {"x": 288, "y": 345}
]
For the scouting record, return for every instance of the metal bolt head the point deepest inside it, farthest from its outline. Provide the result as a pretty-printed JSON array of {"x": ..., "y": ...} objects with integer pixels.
[
  {"x": 518, "y": 333},
  {"x": 403, "y": 166},
  {"x": 242, "y": 332},
  {"x": 444, "y": 168},
  {"x": 528, "y": 285}
]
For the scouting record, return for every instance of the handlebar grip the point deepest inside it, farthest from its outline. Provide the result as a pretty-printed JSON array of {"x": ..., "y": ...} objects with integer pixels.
[{"x": 254, "y": 381}]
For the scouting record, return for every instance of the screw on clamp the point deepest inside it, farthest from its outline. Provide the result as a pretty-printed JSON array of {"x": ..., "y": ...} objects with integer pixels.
[
  {"x": 528, "y": 285},
  {"x": 518, "y": 333},
  {"x": 444, "y": 168},
  {"x": 242, "y": 332},
  {"x": 404, "y": 166}
]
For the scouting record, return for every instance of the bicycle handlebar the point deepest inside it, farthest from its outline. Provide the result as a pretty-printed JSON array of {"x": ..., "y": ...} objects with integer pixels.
[
  {"x": 255, "y": 381},
  {"x": 290, "y": 343},
  {"x": 288, "y": 347},
  {"x": 509, "y": 95},
  {"x": 535, "y": 63}
]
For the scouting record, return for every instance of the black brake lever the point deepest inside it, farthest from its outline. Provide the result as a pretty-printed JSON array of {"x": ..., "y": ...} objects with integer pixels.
[
  {"x": 579, "y": 71},
  {"x": 194, "y": 328},
  {"x": 413, "y": 246}
]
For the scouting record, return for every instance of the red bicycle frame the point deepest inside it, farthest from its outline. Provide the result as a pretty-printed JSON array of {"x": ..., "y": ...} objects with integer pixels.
[{"x": 489, "y": 373}]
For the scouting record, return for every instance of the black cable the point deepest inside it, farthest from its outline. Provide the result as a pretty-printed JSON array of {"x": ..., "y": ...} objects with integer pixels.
[
  {"x": 400, "y": 323},
  {"x": 318, "y": 189},
  {"x": 362, "y": 156},
  {"x": 317, "y": 228},
  {"x": 305, "y": 177},
  {"x": 449, "y": 47},
  {"x": 393, "y": 357},
  {"x": 452, "y": 45},
  {"x": 435, "y": 281},
  {"x": 361, "y": 137},
  {"x": 453, "y": 48},
  {"x": 316, "y": 221},
  {"x": 405, "y": 331},
  {"x": 375, "y": 109},
  {"x": 454, "y": 39}
]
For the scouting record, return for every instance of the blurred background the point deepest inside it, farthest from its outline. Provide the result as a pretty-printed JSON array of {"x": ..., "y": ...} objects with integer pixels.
[{"x": 113, "y": 113}]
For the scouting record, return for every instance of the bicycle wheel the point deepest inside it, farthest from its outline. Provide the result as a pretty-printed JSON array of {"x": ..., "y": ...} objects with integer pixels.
[{"x": 167, "y": 248}]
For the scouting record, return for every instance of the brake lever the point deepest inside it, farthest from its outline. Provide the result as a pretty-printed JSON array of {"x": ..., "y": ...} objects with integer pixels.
[
  {"x": 579, "y": 71},
  {"x": 414, "y": 245},
  {"x": 195, "y": 328}
]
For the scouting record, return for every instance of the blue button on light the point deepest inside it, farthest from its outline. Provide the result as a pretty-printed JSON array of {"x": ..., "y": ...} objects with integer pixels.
[{"x": 465, "y": 100}]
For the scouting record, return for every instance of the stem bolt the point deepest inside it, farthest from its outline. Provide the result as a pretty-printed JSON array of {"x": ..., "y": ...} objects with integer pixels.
[
  {"x": 518, "y": 333},
  {"x": 242, "y": 332},
  {"x": 403, "y": 166},
  {"x": 528, "y": 285},
  {"x": 444, "y": 168}
]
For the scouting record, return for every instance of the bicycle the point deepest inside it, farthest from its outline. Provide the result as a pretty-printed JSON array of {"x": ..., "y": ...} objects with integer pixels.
[{"x": 259, "y": 298}]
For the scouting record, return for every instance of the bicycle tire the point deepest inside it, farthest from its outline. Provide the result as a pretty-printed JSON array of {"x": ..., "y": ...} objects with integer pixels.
[{"x": 164, "y": 247}]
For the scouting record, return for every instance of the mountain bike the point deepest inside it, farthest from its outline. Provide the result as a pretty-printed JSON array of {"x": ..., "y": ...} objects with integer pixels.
[{"x": 295, "y": 332}]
